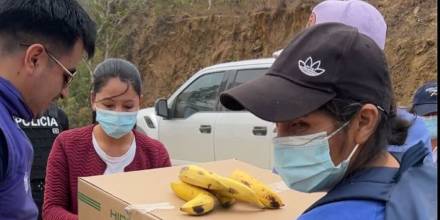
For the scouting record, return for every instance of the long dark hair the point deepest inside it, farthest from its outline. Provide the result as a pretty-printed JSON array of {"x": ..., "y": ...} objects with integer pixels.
[{"x": 391, "y": 130}]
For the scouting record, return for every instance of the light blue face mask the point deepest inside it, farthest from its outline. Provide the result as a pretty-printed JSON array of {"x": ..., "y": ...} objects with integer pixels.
[
  {"x": 431, "y": 124},
  {"x": 304, "y": 162},
  {"x": 116, "y": 124}
]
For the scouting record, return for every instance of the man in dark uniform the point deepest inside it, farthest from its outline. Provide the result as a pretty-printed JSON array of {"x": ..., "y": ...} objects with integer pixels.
[{"x": 42, "y": 132}]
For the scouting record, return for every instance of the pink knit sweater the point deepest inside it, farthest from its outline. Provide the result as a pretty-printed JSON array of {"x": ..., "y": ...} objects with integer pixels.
[{"x": 73, "y": 156}]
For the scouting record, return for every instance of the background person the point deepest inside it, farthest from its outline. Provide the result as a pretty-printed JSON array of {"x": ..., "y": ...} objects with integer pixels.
[
  {"x": 425, "y": 104},
  {"x": 356, "y": 13},
  {"x": 111, "y": 146}
]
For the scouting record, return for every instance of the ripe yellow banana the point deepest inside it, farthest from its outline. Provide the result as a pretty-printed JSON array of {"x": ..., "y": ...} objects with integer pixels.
[
  {"x": 225, "y": 201},
  {"x": 268, "y": 197},
  {"x": 200, "y": 205},
  {"x": 187, "y": 191},
  {"x": 196, "y": 204},
  {"x": 198, "y": 176},
  {"x": 237, "y": 190}
]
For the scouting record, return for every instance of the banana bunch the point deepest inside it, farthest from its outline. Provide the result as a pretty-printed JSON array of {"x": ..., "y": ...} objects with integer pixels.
[
  {"x": 237, "y": 190},
  {"x": 266, "y": 196},
  {"x": 200, "y": 177},
  {"x": 198, "y": 200},
  {"x": 203, "y": 189}
]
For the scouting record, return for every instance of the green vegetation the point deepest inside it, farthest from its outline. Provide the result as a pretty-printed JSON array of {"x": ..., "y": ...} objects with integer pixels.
[
  {"x": 117, "y": 22},
  {"x": 110, "y": 17}
]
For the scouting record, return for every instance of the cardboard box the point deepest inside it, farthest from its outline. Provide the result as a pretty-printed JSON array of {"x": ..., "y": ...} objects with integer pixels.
[{"x": 107, "y": 197}]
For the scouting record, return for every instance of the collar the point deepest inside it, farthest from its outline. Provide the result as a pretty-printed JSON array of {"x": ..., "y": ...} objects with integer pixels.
[{"x": 11, "y": 98}]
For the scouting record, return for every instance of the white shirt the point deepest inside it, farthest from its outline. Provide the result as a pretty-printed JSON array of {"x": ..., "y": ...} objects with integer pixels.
[{"x": 115, "y": 164}]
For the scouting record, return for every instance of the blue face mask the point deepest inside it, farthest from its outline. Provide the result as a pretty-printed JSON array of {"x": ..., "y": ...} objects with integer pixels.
[
  {"x": 431, "y": 124},
  {"x": 304, "y": 162},
  {"x": 116, "y": 124}
]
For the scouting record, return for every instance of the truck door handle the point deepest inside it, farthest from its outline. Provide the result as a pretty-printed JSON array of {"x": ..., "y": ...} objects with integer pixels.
[
  {"x": 205, "y": 129},
  {"x": 259, "y": 131}
]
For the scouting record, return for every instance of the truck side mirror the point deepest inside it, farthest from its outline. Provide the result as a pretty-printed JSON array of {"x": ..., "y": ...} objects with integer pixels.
[{"x": 161, "y": 108}]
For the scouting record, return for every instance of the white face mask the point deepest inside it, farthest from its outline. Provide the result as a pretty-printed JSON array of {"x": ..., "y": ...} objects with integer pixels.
[{"x": 304, "y": 162}]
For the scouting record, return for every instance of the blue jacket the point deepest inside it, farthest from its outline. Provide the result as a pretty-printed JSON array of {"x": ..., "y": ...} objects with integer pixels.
[
  {"x": 408, "y": 192},
  {"x": 347, "y": 210},
  {"x": 417, "y": 132},
  {"x": 16, "y": 201}
]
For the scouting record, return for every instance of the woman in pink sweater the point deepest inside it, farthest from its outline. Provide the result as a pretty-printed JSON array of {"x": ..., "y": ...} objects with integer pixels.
[{"x": 111, "y": 146}]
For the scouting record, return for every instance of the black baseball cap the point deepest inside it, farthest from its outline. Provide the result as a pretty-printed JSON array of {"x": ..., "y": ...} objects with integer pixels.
[
  {"x": 425, "y": 99},
  {"x": 323, "y": 62}
]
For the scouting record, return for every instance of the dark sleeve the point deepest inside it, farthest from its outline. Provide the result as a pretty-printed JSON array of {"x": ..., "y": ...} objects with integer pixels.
[
  {"x": 3, "y": 156},
  {"x": 57, "y": 187},
  {"x": 63, "y": 119}
]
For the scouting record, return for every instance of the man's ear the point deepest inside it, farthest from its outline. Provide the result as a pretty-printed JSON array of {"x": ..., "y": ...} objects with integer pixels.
[
  {"x": 366, "y": 122},
  {"x": 33, "y": 57}
]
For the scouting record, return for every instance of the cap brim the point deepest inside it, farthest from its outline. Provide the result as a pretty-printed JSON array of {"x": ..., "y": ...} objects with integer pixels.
[
  {"x": 275, "y": 99},
  {"x": 424, "y": 109}
]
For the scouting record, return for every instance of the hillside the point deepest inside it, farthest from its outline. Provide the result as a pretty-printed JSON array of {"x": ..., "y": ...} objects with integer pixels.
[
  {"x": 169, "y": 49},
  {"x": 170, "y": 40}
]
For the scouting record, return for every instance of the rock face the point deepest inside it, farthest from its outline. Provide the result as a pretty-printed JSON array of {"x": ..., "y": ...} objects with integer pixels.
[{"x": 171, "y": 47}]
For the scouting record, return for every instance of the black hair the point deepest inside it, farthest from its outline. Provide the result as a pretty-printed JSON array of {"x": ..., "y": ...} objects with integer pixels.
[
  {"x": 390, "y": 130},
  {"x": 116, "y": 68},
  {"x": 58, "y": 24}
]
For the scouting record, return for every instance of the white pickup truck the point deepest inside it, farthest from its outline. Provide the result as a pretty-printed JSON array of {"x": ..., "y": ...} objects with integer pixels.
[{"x": 195, "y": 127}]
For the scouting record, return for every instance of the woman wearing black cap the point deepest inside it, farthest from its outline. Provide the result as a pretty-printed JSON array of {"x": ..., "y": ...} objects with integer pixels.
[{"x": 331, "y": 97}]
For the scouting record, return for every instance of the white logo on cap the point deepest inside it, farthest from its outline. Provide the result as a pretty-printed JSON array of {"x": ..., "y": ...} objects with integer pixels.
[
  {"x": 432, "y": 91},
  {"x": 310, "y": 68}
]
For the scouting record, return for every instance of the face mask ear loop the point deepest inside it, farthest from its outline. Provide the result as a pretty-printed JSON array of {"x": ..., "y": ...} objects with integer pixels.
[
  {"x": 352, "y": 152},
  {"x": 337, "y": 130}
]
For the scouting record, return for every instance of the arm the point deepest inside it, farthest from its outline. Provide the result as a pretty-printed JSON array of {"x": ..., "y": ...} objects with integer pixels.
[
  {"x": 56, "y": 193},
  {"x": 163, "y": 157},
  {"x": 154, "y": 149},
  {"x": 343, "y": 210}
]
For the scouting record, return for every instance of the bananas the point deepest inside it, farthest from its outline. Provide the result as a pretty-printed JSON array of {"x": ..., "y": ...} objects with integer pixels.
[
  {"x": 203, "y": 190},
  {"x": 199, "y": 201},
  {"x": 225, "y": 201},
  {"x": 186, "y": 191},
  {"x": 237, "y": 190},
  {"x": 200, "y": 177},
  {"x": 266, "y": 196},
  {"x": 200, "y": 205}
]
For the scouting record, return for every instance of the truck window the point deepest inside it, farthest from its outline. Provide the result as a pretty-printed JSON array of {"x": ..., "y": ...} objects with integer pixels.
[
  {"x": 201, "y": 95},
  {"x": 247, "y": 75},
  {"x": 241, "y": 77}
]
